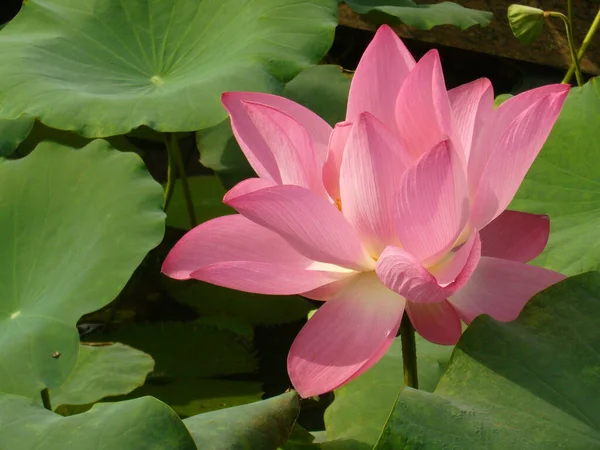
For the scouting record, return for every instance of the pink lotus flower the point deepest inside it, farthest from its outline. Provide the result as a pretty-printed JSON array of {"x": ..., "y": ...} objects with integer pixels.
[{"x": 400, "y": 207}]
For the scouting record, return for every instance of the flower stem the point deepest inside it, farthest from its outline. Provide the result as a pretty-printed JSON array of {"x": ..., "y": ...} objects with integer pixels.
[
  {"x": 46, "y": 399},
  {"x": 569, "y": 29},
  {"x": 176, "y": 162},
  {"x": 584, "y": 45},
  {"x": 409, "y": 352}
]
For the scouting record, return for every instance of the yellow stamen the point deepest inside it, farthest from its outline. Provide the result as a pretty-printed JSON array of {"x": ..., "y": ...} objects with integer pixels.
[{"x": 338, "y": 203}]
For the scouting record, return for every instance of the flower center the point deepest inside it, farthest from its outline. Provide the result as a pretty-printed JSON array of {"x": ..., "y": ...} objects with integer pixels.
[{"x": 338, "y": 203}]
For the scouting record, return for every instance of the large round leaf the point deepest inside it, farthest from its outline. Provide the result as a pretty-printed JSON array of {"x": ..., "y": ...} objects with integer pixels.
[
  {"x": 102, "y": 68},
  {"x": 144, "y": 423},
  {"x": 361, "y": 407},
  {"x": 13, "y": 132},
  {"x": 73, "y": 225},
  {"x": 529, "y": 384},
  {"x": 260, "y": 425},
  {"x": 564, "y": 183},
  {"x": 421, "y": 16}
]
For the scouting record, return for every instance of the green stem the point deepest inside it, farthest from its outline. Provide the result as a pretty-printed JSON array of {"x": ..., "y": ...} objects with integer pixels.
[
  {"x": 573, "y": 48},
  {"x": 175, "y": 157},
  {"x": 569, "y": 29},
  {"x": 570, "y": 15},
  {"x": 46, "y": 399},
  {"x": 409, "y": 353},
  {"x": 171, "y": 175},
  {"x": 584, "y": 45}
]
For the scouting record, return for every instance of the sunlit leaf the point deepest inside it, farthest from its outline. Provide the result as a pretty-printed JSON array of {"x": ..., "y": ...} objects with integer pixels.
[
  {"x": 361, "y": 407},
  {"x": 73, "y": 225},
  {"x": 142, "y": 423},
  {"x": 527, "y": 384},
  {"x": 564, "y": 184},
  {"x": 102, "y": 68}
]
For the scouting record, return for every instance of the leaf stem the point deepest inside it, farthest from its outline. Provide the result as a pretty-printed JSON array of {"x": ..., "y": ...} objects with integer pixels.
[
  {"x": 46, "y": 399},
  {"x": 409, "y": 352},
  {"x": 574, "y": 56},
  {"x": 570, "y": 14},
  {"x": 175, "y": 157},
  {"x": 584, "y": 45},
  {"x": 570, "y": 41},
  {"x": 171, "y": 175}
]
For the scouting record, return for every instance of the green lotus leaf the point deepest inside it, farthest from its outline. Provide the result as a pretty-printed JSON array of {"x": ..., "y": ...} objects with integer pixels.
[
  {"x": 135, "y": 424},
  {"x": 421, "y": 16},
  {"x": 261, "y": 425},
  {"x": 528, "y": 384},
  {"x": 13, "y": 132},
  {"x": 102, "y": 371},
  {"x": 74, "y": 225},
  {"x": 563, "y": 183},
  {"x": 102, "y": 68},
  {"x": 361, "y": 407}
]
